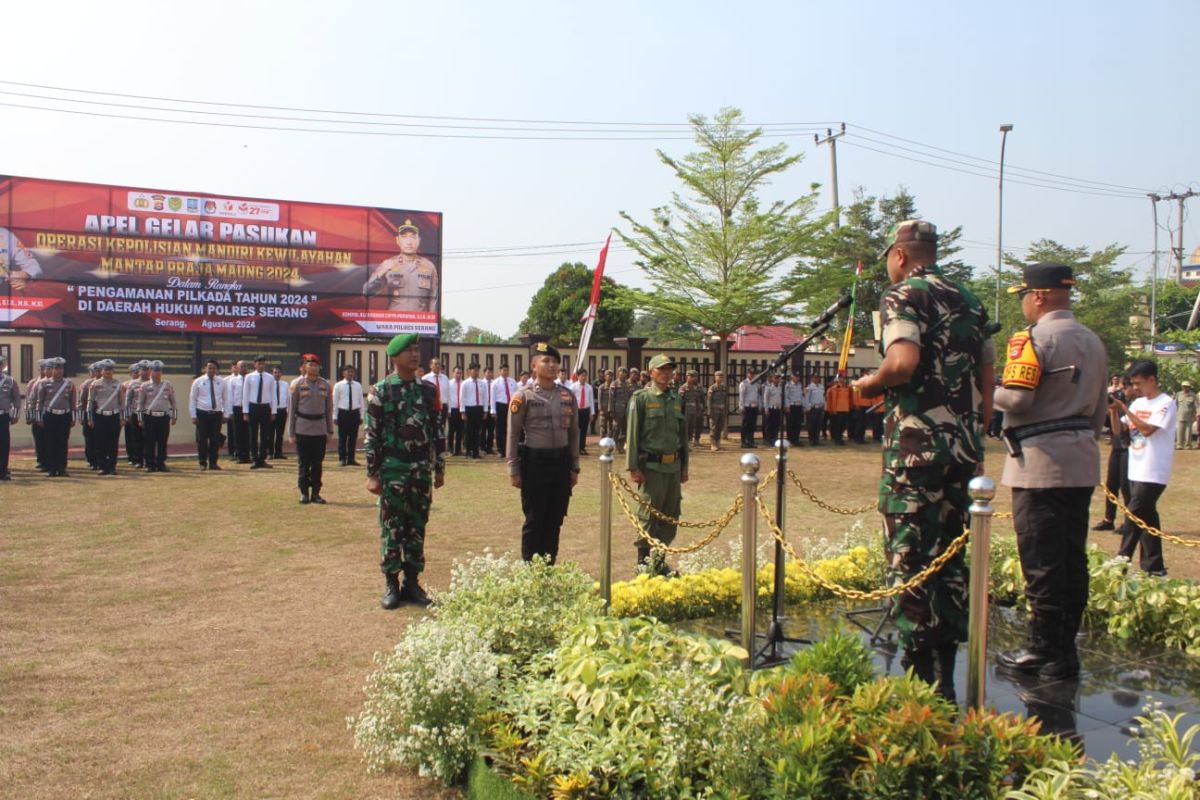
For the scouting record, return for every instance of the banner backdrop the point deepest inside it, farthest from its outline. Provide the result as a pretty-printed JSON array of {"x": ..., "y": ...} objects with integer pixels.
[{"x": 91, "y": 257}]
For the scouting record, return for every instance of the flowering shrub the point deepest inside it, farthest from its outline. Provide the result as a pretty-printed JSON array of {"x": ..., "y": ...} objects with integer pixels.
[
  {"x": 425, "y": 700},
  {"x": 717, "y": 592}
]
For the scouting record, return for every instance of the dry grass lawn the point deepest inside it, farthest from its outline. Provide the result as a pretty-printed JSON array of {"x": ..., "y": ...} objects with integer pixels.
[{"x": 201, "y": 635}]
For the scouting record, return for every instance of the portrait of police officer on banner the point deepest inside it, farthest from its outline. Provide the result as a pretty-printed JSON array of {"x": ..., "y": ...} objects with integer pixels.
[{"x": 409, "y": 281}]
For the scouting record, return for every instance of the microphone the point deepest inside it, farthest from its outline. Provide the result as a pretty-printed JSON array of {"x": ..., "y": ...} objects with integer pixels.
[{"x": 828, "y": 314}]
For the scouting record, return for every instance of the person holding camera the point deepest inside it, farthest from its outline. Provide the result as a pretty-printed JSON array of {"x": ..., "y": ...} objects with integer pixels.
[{"x": 1116, "y": 478}]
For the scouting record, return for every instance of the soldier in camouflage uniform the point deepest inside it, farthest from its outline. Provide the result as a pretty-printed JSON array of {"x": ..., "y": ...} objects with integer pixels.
[
  {"x": 406, "y": 461},
  {"x": 622, "y": 391},
  {"x": 718, "y": 410},
  {"x": 694, "y": 399},
  {"x": 933, "y": 374},
  {"x": 604, "y": 405}
]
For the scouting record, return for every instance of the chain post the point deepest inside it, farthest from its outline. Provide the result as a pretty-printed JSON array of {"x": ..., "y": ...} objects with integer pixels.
[
  {"x": 750, "y": 465},
  {"x": 607, "y": 446},
  {"x": 781, "y": 468},
  {"x": 982, "y": 490}
]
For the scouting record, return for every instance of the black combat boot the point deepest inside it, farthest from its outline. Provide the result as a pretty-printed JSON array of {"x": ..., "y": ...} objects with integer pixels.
[
  {"x": 1040, "y": 650},
  {"x": 643, "y": 552},
  {"x": 412, "y": 592},
  {"x": 1066, "y": 664},
  {"x": 947, "y": 654},
  {"x": 391, "y": 598}
]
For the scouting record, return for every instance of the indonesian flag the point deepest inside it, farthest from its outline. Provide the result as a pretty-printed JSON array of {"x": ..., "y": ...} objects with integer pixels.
[{"x": 589, "y": 317}]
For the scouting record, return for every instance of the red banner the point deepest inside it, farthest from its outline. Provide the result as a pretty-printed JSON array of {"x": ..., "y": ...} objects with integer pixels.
[{"x": 90, "y": 257}]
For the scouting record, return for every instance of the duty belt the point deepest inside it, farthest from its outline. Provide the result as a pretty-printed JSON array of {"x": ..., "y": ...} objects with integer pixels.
[
  {"x": 58, "y": 411},
  {"x": 302, "y": 415},
  {"x": 661, "y": 458},
  {"x": 158, "y": 413},
  {"x": 1014, "y": 436},
  {"x": 108, "y": 413}
]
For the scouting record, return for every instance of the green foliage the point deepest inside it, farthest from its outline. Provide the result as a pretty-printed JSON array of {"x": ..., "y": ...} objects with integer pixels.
[
  {"x": 425, "y": 701},
  {"x": 483, "y": 784},
  {"x": 829, "y": 273},
  {"x": 712, "y": 254},
  {"x": 520, "y": 609},
  {"x": 666, "y": 334},
  {"x": 1133, "y": 605},
  {"x": 452, "y": 330},
  {"x": 1165, "y": 769},
  {"x": 1174, "y": 306},
  {"x": 842, "y": 657},
  {"x": 481, "y": 336},
  {"x": 558, "y": 306}
]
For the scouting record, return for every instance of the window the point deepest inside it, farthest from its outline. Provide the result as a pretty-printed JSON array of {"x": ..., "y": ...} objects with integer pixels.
[
  {"x": 339, "y": 357},
  {"x": 26, "y": 363},
  {"x": 374, "y": 362}
]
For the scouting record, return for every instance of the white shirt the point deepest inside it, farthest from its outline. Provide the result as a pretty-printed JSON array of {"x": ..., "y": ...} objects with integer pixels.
[
  {"x": 588, "y": 395},
  {"x": 793, "y": 393},
  {"x": 475, "y": 392},
  {"x": 200, "y": 399},
  {"x": 234, "y": 382},
  {"x": 749, "y": 394},
  {"x": 440, "y": 380},
  {"x": 1151, "y": 457},
  {"x": 283, "y": 395},
  {"x": 347, "y": 396},
  {"x": 773, "y": 395},
  {"x": 455, "y": 394},
  {"x": 503, "y": 390},
  {"x": 250, "y": 390},
  {"x": 814, "y": 396}
]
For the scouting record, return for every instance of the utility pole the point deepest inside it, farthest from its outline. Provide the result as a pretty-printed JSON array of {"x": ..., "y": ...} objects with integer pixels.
[
  {"x": 1004, "y": 131},
  {"x": 831, "y": 140},
  {"x": 1154, "y": 272},
  {"x": 1180, "y": 198}
]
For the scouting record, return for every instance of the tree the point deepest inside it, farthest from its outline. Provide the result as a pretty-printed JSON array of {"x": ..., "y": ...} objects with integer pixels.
[
  {"x": 557, "y": 308},
  {"x": 1104, "y": 295},
  {"x": 452, "y": 330},
  {"x": 713, "y": 257},
  {"x": 481, "y": 336},
  {"x": 665, "y": 335},
  {"x": 820, "y": 280}
]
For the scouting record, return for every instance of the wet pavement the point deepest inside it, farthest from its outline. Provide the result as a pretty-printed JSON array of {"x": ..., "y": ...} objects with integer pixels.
[{"x": 1098, "y": 709}]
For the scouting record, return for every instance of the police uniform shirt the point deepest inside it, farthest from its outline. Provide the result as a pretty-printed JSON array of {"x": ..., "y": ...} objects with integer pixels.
[
  {"x": 1061, "y": 458},
  {"x": 311, "y": 398},
  {"x": 55, "y": 396},
  {"x": 814, "y": 396},
  {"x": 503, "y": 390},
  {"x": 749, "y": 394},
  {"x": 15, "y": 256},
  {"x": 348, "y": 396},
  {"x": 411, "y": 283},
  {"x": 475, "y": 393},
  {"x": 10, "y": 396},
  {"x": 549, "y": 421},
  {"x": 251, "y": 394},
  {"x": 200, "y": 398},
  {"x": 772, "y": 396},
  {"x": 157, "y": 398},
  {"x": 793, "y": 393},
  {"x": 104, "y": 398}
]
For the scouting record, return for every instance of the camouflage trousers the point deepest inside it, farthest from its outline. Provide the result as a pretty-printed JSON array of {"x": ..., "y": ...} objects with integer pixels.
[
  {"x": 403, "y": 512},
  {"x": 924, "y": 509}
]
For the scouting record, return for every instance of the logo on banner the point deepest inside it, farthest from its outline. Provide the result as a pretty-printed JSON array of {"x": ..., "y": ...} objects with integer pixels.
[
  {"x": 175, "y": 203},
  {"x": 157, "y": 199},
  {"x": 182, "y": 204},
  {"x": 193, "y": 205}
]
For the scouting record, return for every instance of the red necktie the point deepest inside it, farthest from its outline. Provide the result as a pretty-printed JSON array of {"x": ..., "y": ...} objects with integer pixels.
[
  {"x": 507, "y": 398},
  {"x": 583, "y": 395},
  {"x": 475, "y": 382},
  {"x": 460, "y": 395}
]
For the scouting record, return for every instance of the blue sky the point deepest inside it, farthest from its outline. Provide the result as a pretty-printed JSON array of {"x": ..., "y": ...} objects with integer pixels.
[{"x": 1099, "y": 92}]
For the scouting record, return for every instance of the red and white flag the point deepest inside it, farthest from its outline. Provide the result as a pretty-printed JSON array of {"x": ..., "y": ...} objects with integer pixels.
[{"x": 589, "y": 317}]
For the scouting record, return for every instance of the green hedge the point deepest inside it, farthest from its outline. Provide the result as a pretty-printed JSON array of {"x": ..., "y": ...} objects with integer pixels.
[{"x": 483, "y": 784}]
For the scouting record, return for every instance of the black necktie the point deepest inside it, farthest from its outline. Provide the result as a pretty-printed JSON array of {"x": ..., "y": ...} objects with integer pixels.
[
  {"x": 260, "y": 377},
  {"x": 350, "y": 393},
  {"x": 212, "y": 395}
]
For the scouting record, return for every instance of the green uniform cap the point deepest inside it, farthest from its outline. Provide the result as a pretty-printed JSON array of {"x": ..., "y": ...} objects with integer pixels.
[
  {"x": 400, "y": 343},
  {"x": 662, "y": 360},
  {"x": 910, "y": 230}
]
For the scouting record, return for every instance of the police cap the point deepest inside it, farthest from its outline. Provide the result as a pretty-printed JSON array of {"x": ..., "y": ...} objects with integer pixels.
[
  {"x": 407, "y": 227},
  {"x": 547, "y": 349},
  {"x": 1044, "y": 276}
]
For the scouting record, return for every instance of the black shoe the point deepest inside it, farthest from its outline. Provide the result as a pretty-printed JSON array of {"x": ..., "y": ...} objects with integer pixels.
[
  {"x": 7, "y": 476},
  {"x": 316, "y": 498},
  {"x": 341, "y": 462},
  {"x": 265, "y": 465},
  {"x": 255, "y": 465},
  {"x": 391, "y": 598},
  {"x": 353, "y": 463},
  {"x": 281, "y": 455},
  {"x": 1104, "y": 525},
  {"x": 1039, "y": 652},
  {"x": 163, "y": 468},
  {"x": 304, "y": 500},
  {"x": 213, "y": 466},
  {"x": 63, "y": 474},
  {"x": 203, "y": 466},
  {"x": 243, "y": 461},
  {"x": 411, "y": 591}
]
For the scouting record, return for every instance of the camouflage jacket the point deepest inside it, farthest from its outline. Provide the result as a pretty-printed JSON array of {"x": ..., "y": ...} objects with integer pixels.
[
  {"x": 404, "y": 428},
  {"x": 693, "y": 398},
  {"x": 936, "y": 417}
]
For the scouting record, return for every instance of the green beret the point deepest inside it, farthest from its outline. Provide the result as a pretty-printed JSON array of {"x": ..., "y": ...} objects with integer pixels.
[{"x": 400, "y": 343}]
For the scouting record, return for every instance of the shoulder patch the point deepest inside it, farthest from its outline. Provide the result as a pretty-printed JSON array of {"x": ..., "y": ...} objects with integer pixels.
[{"x": 517, "y": 401}]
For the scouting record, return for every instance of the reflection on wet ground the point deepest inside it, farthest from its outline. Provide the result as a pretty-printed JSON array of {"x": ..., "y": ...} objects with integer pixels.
[{"x": 1098, "y": 709}]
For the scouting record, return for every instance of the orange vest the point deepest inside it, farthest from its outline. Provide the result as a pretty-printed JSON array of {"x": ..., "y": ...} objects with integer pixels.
[
  {"x": 837, "y": 399},
  {"x": 863, "y": 402}
]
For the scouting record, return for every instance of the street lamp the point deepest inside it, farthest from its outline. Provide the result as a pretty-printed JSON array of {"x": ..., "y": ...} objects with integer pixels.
[{"x": 1004, "y": 129}]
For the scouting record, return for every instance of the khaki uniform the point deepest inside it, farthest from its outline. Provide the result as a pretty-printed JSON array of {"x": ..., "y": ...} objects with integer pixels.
[
  {"x": 543, "y": 449},
  {"x": 621, "y": 393},
  {"x": 410, "y": 283},
  {"x": 157, "y": 410},
  {"x": 658, "y": 448},
  {"x": 718, "y": 413},
  {"x": 53, "y": 409},
  {"x": 694, "y": 401},
  {"x": 604, "y": 408},
  {"x": 311, "y": 424},
  {"x": 103, "y": 411}
]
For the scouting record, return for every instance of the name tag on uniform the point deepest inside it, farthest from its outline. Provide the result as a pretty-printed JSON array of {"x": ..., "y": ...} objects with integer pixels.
[{"x": 424, "y": 281}]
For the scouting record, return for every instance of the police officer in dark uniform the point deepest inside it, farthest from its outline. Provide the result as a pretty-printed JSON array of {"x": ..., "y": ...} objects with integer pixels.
[
  {"x": 1054, "y": 401},
  {"x": 543, "y": 453}
]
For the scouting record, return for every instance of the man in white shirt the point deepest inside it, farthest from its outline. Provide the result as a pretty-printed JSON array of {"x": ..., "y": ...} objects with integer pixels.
[
  {"x": 488, "y": 437},
  {"x": 814, "y": 409},
  {"x": 258, "y": 411},
  {"x": 1151, "y": 420},
  {"x": 237, "y": 433},
  {"x": 283, "y": 393},
  {"x": 793, "y": 406},
  {"x": 439, "y": 379},
  {"x": 208, "y": 405},
  {"x": 348, "y": 405},
  {"x": 475, "y": 400},
  {"x": 585, "y": 401},
  {"x": 749, "y": 402},
  {"x": 457, "y": 425},
  {"x": 503, "y": 390}
]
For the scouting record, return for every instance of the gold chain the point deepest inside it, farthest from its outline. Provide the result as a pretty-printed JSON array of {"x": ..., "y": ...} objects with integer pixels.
[
  {"x": 619, "y": 482},
  {"x": 718, "y": 527},
  {"x": 848, "y": 512},
  {"x": 857, "y": 594},
  {"x": 1147, "y": 527}
]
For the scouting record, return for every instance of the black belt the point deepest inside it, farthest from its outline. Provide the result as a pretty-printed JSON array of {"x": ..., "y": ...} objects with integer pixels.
[
  {"x": 661, "y": 458},
  {"x": 302, "y": 415},
  {"x": 1014, "y": 436},
  {"x": 544, "y": 453},
  {"x": 209, "y": 411},
  {"x": 259, "y": 405}
]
